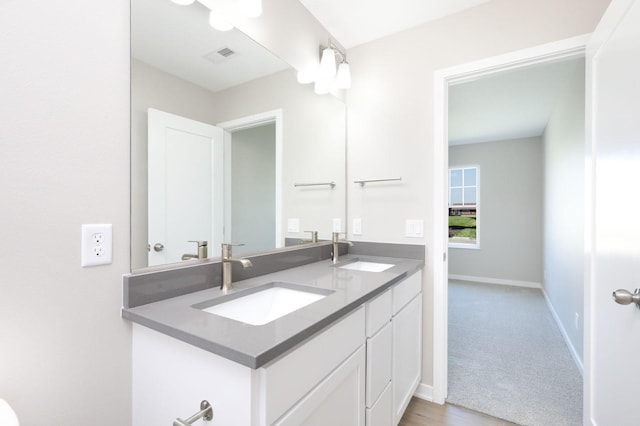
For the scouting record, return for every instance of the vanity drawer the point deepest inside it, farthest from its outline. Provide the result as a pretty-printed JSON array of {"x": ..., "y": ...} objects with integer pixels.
[
  {"x": 379, "y": 366},
  {"x": 378, "y": 312},
  {"x": 286, "y": 380},
  {"x": 406, "y": 290}
]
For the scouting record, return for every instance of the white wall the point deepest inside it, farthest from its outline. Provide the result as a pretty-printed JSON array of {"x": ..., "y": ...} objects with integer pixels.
[
  {"x": 564, "y": 145},
  {"x": 64, "y": 161},
  {"x": 390, "y": 110},
  {"x": 510, "y": 212}
]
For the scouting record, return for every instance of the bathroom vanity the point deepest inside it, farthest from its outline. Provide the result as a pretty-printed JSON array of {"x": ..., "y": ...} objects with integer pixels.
[{"x": 351, "y": 356}]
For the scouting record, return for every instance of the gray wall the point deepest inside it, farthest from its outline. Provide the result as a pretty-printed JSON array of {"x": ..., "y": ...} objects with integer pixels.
[
  {"x": 564, "y": 151},
  {"x": 510, "y": 211},
  {"x": 253, "y": 201}
]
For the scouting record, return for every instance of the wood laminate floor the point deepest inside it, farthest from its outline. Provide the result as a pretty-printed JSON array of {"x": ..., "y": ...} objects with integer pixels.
[{"x": 425, "y": 413}]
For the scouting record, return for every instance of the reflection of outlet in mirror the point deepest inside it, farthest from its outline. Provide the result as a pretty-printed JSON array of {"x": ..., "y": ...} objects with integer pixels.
[
  {"x": 357, "y": 226},
  {"x": 96, "y": 245},
  {"x": 293, "y": 225}
]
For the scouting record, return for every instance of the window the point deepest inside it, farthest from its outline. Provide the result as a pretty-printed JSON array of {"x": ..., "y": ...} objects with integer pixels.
[{"x": 463, "y": 207}]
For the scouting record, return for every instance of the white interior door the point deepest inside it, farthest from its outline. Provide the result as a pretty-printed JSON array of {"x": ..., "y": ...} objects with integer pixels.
[
  {"x": 613, "y": 123},
  {"x": 185, "y": 186}
]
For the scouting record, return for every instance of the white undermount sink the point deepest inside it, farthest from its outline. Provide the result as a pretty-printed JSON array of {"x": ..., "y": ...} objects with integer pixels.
[
  {"x": 263, "y": 304},
  {"x": 367, "y": 266}
]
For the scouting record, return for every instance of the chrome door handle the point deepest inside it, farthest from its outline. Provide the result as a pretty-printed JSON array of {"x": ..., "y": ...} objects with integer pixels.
[
  {"x": 205, "y": 413},
  {"x": 158, "y": 247},
  {"x": 625, "y": 297}
]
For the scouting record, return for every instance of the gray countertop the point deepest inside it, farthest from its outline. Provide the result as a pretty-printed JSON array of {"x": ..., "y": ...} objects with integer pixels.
[{"x": 254, "y": 346}]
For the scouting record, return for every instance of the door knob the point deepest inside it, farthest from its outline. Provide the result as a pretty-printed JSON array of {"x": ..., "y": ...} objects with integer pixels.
[
  {"x": 625, "y": 297},
  {"x": 158, "y": 247}
]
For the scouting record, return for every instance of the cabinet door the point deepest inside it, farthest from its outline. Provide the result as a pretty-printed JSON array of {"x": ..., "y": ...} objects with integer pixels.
[
  {"x": 407, "y": 349},
  {"x": 379, "y": 356},
  {"x": 337, "y": 400},
  {"x": 381, "y": 413}
]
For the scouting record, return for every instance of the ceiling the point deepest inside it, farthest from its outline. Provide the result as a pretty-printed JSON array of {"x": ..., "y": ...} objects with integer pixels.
[
  {"x": 510, "y": 105},
  {"x": 354, "y": 22}
]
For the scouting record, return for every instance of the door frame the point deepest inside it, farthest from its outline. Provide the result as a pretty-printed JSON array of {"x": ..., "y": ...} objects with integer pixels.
[
  {"x": 563, "y": 49},
  {"x": 248, "y": 122}
]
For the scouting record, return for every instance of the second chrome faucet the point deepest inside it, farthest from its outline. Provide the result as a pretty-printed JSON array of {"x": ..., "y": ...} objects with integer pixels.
[{"x": 227, "y": 261}]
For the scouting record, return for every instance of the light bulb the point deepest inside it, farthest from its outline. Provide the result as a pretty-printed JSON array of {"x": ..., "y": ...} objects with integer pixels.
[
  {"x": 7, "y": 415},
  {"x": 304, "y": 78},
  {"x": 183, "y": 2},
  {"x": 320, "y": 89},
  {"x": 218, "y": 22},
  {"x": 250, "y": 8},
  {"x": 343, "y": 77},
  {"x": 328, "y": 63}
]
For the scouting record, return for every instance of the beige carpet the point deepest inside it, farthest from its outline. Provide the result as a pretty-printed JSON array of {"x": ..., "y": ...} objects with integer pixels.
[{"x": 507, "y": 357}]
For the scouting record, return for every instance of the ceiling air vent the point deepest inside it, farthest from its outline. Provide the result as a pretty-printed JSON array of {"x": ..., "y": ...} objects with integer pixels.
[{"x": 220, "y": 55}]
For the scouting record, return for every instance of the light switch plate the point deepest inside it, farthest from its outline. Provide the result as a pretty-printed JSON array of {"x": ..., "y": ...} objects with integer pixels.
[
  {"x": 337, "y": 224},
  {"x": 293, "y": 225},
  {"x": 96, "y": 245},
  {"x": 414, "y": 228}
]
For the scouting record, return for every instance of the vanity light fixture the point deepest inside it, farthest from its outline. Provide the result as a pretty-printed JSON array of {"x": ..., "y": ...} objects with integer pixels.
[
  {"x": 327, "y": 75},
  {"x": 220, "y": 13},
  {"x": 343, "y": 77},
  {"x": 328, "y": 63}
]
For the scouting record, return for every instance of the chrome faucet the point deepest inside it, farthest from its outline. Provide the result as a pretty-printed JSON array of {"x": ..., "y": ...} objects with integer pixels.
[
  {"x": 202, "y": 251},
  {"x": 336, "y": 245},
  {"x": 225, "y": 286}
]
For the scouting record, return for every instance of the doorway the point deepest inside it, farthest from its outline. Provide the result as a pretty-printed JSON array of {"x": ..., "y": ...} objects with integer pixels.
[{"x": 565, "y": 49}]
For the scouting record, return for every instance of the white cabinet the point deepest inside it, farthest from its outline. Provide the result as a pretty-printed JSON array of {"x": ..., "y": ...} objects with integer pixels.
[
  {"x": 314, "y": 381},
  {"x": 360, "y": 371},
  {"x": 407, "y": 343},
  {"x": 394, "y": 351}
]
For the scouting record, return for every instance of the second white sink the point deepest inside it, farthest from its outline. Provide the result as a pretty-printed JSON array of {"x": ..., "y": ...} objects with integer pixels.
[
  {"x": 367, "y": 266},
  {"x": 266, "y": 303}
]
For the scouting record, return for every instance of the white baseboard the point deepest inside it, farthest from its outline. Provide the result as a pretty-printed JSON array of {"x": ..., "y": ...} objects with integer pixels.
[
  {"x": 424, "y": 392},
  {"x": 565, "y": 336},
  {"x": 515, "y": 283}
]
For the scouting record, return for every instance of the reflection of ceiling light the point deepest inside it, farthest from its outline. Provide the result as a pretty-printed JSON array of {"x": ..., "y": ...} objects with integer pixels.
[
  {"x": 221, "y": 14},
  {"x": 250, "y": 8},
  {"x": 217, "y": 21}
]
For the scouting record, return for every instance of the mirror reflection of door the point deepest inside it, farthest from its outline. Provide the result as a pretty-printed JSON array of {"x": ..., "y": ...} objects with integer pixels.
[{"x": 185, "y": 186}]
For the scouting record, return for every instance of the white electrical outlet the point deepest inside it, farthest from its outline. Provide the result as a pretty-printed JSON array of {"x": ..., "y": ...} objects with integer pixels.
[
  {"x": 337, "y": 224},
  {"x": 357, "y": 226},
  {"x": 96, "y": 245}
]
